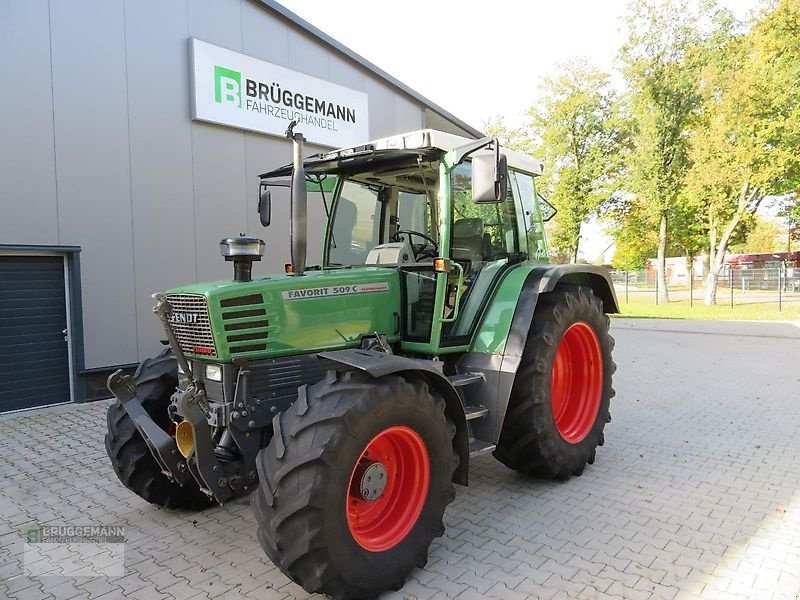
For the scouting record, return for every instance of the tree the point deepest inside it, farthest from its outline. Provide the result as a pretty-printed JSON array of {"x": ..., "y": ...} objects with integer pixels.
[
  {"x": 746, "y": 145},
  {"x": 763, "y": 235},
  {"x": 580, "y": 135},
  {"x": 661, "y": 70},
  {"x": 516, "y": 139},
  {"x": 790, "y": 214},
  {"x": 635, "y": 240}
]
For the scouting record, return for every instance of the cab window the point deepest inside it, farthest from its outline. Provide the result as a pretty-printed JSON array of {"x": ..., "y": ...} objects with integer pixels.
[
  {"x": 413, "y": 213},
  {"x": 356, "y": 226},
  {"x": 481, "y": 233}
]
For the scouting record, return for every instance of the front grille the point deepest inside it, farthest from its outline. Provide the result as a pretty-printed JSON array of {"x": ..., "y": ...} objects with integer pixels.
[
  {"x": 191, "y": 324},
  {"x": 246, "y": 323}
]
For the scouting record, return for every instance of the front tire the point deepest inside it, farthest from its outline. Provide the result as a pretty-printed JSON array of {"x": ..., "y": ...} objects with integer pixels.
[
  {"x": 130, "y": 456},
  {"x": 354, "y": 483},
  {"x": 560, "y": 400}
]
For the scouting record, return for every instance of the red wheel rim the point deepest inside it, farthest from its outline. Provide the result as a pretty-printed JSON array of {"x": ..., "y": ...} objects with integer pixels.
[
  {"x": 383, "y": 523},
  {"x": 577, "y": 385}
]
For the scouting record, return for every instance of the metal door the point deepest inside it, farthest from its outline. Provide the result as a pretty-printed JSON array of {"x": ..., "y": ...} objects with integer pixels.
[{"x": 34, "y": 353}]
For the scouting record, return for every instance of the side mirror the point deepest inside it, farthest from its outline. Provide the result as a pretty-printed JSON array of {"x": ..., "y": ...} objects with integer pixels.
[
  {"x": 264, "y": 206},
  {"x": 489, "y": 178}
]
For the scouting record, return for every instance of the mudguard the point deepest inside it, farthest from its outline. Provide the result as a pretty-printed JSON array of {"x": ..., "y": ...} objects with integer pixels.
[
  {"x": 379, "y": 364},
  {"x": 503, "y": 331}
]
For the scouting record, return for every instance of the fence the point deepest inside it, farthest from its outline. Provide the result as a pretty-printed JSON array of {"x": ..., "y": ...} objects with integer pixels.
[{"x": 736, "y": 286}]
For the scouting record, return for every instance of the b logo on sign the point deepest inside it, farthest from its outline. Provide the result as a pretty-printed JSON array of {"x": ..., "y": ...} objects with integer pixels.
[{"x": 227, "y": 86}]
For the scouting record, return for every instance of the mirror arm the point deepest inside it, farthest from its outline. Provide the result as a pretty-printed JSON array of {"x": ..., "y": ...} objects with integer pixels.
[{"x": 457, "y": 155}]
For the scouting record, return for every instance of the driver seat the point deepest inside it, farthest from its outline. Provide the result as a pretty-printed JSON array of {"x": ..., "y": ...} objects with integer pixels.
[{"x": 468, "y": 241}]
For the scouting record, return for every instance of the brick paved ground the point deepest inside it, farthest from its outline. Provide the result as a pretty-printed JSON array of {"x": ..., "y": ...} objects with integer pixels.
[{"x": 696, "y": 494}]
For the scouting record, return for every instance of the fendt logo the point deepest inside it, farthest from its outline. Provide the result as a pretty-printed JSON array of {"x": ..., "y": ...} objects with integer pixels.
[
  {"x": 227, "y": 86},
  {"x": 182, "y": 317}
]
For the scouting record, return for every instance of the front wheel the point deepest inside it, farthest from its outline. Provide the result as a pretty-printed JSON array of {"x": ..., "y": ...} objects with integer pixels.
[
  {"x": 130, "y": 456},
  {"x": 559, "y": 404},
  {"x": 354, "y": 483}
]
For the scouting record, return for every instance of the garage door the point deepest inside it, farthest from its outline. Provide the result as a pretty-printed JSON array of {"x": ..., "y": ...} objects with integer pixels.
[{"x": 34, "y": 359}]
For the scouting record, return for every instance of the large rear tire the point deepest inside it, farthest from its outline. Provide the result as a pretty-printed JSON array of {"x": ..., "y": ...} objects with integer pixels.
[
  {"x": 560, "y": 400},
  {"x": 354, "y": 483},
  {"x": 135, "y": 467}
]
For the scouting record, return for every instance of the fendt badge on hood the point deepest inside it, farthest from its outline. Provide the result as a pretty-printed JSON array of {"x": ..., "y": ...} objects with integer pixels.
[{"x": 182, "y": 317}]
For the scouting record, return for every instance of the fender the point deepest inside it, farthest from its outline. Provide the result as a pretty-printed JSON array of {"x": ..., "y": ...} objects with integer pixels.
[
  {"x": 541, "y": 280},
  {"x": 597, "y": 278},
  {"x": 379, "y": 364},
  {"x": 501, "y": 336}
]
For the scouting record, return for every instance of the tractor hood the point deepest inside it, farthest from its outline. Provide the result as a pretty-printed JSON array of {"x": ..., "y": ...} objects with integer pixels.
[{"x": 282, "y": 315}]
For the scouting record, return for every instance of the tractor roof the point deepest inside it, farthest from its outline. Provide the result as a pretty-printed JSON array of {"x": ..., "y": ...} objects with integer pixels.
[
  {"x": 427, "y": 141},
  {"x": 432, "y": 138}
]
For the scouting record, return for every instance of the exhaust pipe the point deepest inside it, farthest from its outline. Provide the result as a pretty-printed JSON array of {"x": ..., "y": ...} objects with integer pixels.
[{"x": 298, "y": 228}]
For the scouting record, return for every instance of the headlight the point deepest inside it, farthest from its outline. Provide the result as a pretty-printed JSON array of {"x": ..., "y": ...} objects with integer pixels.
[{"x": 214, "y": 372}]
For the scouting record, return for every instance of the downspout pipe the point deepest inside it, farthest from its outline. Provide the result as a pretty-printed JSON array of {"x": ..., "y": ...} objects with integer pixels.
[{"x": 298, "y": 228}]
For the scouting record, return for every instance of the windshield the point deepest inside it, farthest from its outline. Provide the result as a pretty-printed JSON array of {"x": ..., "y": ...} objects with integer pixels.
[{"x": 372, "y": 207}]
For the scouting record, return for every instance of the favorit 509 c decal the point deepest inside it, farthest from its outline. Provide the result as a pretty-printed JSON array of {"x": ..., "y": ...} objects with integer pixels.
[{"x": 336, "y": 290}]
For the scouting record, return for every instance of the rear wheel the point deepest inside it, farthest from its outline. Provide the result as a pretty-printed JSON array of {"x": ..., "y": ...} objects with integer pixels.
[
  {"x": 559, "y": 404},
  {"x": 130, "y": 456},
  {"x": 354, "y": 483}
]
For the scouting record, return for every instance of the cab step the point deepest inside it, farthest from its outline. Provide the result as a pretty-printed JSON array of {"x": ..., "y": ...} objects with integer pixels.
[
  {"x": 479, "y": 448},
  {"x": 475, "y": 411},
  {"x": 465, "y": 379}
]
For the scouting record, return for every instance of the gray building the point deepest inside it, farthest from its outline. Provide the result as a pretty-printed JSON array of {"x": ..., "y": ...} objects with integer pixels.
[{"x": 115, "y": 184}]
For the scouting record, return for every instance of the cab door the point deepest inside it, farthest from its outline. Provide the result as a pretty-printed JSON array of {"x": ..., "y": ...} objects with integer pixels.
[
  {"x": 482, "y": 242},
  {"x": 485, "y": 243}
]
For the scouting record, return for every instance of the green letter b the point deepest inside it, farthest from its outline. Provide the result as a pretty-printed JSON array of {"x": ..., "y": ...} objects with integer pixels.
[{"x": 227, "y": 86}]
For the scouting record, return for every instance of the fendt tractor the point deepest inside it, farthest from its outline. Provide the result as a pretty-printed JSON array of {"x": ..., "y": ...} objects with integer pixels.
[{"x": 348, "y": 397}]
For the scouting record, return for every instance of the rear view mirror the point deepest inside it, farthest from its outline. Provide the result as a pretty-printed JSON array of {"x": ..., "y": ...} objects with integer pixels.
[
  {"x": 264, "y": 206},
  {"x": 489, "y": 178}
]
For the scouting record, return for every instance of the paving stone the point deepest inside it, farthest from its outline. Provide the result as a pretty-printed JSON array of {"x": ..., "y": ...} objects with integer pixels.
[{"x": 692, "y": 496}]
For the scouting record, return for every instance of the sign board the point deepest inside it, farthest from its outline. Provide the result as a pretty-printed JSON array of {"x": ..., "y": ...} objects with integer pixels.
[{"x": 241, "y": 91}]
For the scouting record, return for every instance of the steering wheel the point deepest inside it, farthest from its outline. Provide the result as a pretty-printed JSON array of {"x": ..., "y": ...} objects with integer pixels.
[{"x": 417, "y": 250}]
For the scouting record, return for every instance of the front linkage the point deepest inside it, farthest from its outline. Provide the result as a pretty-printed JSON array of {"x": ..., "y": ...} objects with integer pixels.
[{"x": 191, "y": 453}]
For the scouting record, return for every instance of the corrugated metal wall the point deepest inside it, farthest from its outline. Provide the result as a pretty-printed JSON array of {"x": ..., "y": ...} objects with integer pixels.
[{"x": 98, "y": 148}]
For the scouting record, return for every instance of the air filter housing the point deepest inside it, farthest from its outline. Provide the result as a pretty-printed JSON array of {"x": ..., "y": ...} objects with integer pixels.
[{"x": 242, "y": 251}]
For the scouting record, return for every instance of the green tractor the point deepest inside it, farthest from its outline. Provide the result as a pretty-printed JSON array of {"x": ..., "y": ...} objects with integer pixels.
[{"x": 348, "y": 397}]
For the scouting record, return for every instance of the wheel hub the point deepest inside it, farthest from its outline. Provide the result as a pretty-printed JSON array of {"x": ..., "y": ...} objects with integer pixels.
[{"x": 373, "y": 482}]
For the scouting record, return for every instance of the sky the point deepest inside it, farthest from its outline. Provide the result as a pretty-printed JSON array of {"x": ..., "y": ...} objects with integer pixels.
[{"x": 478, "y": 59}]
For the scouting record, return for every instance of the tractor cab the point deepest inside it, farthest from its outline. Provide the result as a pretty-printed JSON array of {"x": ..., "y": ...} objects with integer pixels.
[{"x": 411, "y": 203}]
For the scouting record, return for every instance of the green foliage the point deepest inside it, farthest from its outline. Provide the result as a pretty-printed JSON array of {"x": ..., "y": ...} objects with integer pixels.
[
  {"x": 709, "y": 127},
  {"x": 688, "y": 229},
  {"x": 581, "y": 135},
  {"x": 745, "y": 143},
  {"x": 517, "y": 139},
  {"x": 790, "y": 213},
  {"x": 763, "y": 235},
  {"x": 661, "y": 70}
]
